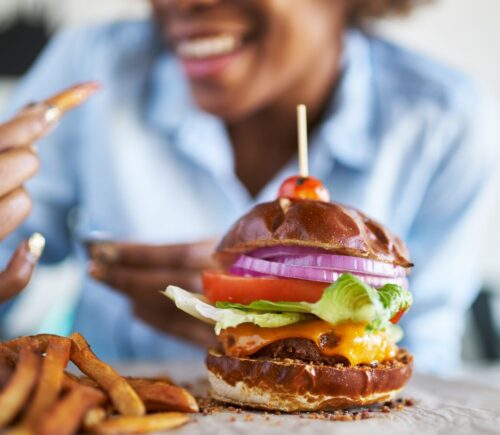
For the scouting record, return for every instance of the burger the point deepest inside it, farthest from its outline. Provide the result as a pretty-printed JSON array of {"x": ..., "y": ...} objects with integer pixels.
[{"x": 305, "y": 306}]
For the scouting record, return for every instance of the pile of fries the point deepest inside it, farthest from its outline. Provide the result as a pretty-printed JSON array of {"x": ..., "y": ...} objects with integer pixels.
[{"x": 38, "y": 395}]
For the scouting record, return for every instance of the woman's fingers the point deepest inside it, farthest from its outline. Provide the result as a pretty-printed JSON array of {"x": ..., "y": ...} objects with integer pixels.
[
  {"x": 14, "y": 209},
  {"x": 143, "y": 287},
  {"x": 135, "y": 282},
  {"x": 18, "y": 273},
  {"x": 193, "y": 256},
  {"x": 143, "y": 271},
  {"x": 16, "y": 166},
  {"x": 165, "y": 316},
  {"x": 26, "y": 128}
]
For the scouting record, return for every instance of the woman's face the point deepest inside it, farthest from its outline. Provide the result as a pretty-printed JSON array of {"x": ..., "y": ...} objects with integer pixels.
[{"x": 243, "y": 55}]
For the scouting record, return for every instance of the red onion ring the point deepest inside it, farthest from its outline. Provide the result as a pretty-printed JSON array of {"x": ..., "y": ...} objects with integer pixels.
[
  {"x": 318, "y": 258},
  {"x": 250, "y": 266}
]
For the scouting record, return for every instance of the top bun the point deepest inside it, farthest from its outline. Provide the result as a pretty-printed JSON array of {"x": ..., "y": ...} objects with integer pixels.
[{"x": 330, "y": 226}]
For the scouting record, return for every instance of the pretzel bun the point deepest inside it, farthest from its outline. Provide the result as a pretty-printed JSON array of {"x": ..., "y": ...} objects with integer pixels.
[
  {"x": 290, "y": 385},
  {"x": 330, "y": 226}
]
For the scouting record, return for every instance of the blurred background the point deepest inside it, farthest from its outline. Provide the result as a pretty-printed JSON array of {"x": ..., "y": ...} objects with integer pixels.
[{"x": 462, "y": 33}]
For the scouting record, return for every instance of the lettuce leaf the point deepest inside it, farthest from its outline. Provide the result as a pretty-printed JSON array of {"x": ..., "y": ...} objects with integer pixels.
[
  {"x": 222, "y": 318},
  {"x": 347, "y": 299}
]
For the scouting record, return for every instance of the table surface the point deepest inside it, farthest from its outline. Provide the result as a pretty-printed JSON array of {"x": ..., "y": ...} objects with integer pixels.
[{"x": 459, "y": 406}]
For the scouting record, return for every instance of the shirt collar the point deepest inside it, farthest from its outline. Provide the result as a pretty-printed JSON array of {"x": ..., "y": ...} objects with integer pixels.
[
  {"x": 168, "y": 99},
  {"x": 347, "y": 129},
  {"x": 348, "y": 124}
]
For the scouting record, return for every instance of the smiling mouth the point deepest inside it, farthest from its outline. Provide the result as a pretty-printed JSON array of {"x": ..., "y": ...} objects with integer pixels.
[
  {"x": 206, "y": 57},
  {"x": 201, "y": 48}
]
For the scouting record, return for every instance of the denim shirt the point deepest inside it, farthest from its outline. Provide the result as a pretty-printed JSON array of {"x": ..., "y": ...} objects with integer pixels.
[{"x": 407, "y": 140}]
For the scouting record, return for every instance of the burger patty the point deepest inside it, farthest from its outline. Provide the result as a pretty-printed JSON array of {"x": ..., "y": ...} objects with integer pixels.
[{"x": 299, "y": 349}]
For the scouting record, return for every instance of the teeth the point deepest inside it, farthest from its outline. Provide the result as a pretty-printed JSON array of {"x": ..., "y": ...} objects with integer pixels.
[{"x": 207, "y": 47}]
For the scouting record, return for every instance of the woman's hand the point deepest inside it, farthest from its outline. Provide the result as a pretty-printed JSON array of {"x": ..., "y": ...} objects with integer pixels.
[
  {"x": 18, "y": 163},
  {"x": 142, "y": 271}
]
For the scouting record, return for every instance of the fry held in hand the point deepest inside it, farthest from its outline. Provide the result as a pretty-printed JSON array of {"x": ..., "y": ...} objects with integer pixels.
[
  {"x": 38, "y": 119},
  {"x": 73, "y": 96},
  {"x": 124, "y": 398}
]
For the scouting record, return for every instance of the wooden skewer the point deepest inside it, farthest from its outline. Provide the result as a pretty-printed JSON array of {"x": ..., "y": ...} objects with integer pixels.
[{"x": 302, "y": 136}]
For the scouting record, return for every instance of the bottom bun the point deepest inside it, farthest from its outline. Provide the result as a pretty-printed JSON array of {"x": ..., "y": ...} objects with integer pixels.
[{"x": 291, "y": 385}]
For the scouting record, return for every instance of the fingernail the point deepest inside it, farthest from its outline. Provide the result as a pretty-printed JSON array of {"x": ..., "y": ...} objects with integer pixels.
[
  {"x": 105, "y": 252},
  {"x": 31, "y": 108},
  {"x": 97, "y": 271},
  {"x": 36, "y": 245}
]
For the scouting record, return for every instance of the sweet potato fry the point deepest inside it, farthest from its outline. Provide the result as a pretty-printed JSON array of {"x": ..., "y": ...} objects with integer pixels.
[
  {"x": 70, "y": 381},
  {"x": 16, "y": 392},
  {"x": 50, "y": 382},
  {"x": 8, "y": 359},
  {"x": 74, "y": 96},
  {"x": 5, "y": 373},
  {"x": 37, "y": 343},
  {"x": 93, "y": 417},
  {"x": 138, "y": 381},
  {"x": 160, "y": 396},
  {"x": 122, "y": 395},
  {"x": 146, "y": 423},
  {"x": 65, "y": 417},
  {"x": 8, "y": 356},
  {"x": 85, "y": 380}
]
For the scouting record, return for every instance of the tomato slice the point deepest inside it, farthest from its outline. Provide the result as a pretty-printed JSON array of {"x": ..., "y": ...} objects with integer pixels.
[{"x": 219, "y": 286}]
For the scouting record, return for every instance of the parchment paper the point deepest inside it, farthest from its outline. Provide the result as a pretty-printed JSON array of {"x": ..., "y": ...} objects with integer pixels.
[{"x": 442, "y": 407}]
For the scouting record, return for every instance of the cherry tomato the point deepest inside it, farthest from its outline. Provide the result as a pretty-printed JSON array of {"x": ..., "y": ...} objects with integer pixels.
[
  {"x": 219, "y": 286},
  {"x": 297, "y": 187}
]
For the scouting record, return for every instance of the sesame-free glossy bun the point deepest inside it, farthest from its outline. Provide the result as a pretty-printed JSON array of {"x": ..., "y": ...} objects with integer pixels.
[
  {"x": 330, "y": 226},
  {"x": 289, "y": 385}
]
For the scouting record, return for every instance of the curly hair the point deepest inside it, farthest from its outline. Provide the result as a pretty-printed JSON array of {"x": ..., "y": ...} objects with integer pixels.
[{"x": 363, "y": 10}]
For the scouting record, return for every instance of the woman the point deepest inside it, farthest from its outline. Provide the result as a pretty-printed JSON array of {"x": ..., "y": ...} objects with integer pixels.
[{"x": 196, "y": 123}]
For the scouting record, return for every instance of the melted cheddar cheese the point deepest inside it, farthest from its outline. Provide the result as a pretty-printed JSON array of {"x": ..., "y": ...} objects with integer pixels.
[{"x": 349, "y": 340}]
